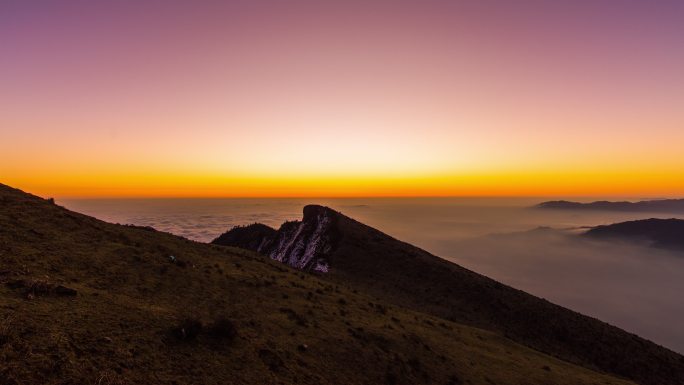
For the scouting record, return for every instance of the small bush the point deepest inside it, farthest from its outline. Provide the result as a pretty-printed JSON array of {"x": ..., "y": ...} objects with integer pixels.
[
  {"x": 188, "y": 329},
  {"x": 271, "y": 359},
  {"x": 39, "y": 287},
  {"x": 454, "y": 380},
  {"x": 223, "y": 329},
  {"x": 294, "y": 316}
]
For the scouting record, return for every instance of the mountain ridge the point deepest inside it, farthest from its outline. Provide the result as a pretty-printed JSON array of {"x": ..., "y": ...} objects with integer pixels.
[
  {"x": 655, "y": 232},
  {"x": 657, "y": 205},
  {"x": 405, "y": 275}
]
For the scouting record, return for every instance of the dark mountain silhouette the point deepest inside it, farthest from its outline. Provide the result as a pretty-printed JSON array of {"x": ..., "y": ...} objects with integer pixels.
[
  {"x": 396, "y": 272},
  {"x": 88, "y": 302},
  {"x": 654, "y": 206},
  {"x": 246, "y": 237},
  {"x": 660, "y": 233},
  {"x": 300, "y": 244}
]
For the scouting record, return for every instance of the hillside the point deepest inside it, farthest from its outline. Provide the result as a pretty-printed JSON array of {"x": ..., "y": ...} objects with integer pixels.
[
  {"x": 396, "y": 272},
  {"x": 649, "y": 206},
  {"x": 87, "y": 302},
  {"x": 660, "y": 233}
]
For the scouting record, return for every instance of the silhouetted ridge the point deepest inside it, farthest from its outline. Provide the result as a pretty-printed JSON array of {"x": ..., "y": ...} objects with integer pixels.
[
  {"x": 247, "y": 237},
  {"x": 302, "y": 244},
  {"x": 661, "y": 233},
  {"x": 394, "y": 271},
  {"x": 660, "y": 205}
]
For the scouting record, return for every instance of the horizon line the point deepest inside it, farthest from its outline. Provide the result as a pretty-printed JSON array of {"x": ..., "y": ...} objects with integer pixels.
[{"x": 484, "y": 196}]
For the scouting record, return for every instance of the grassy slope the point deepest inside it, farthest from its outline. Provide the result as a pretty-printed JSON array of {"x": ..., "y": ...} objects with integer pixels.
[
  {"x": 116, "y": 330},
  {"x": 407, "y": 276}
]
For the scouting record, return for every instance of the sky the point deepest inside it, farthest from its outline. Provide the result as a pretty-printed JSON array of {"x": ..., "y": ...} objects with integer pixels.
[{"x": 353, "y": 98}]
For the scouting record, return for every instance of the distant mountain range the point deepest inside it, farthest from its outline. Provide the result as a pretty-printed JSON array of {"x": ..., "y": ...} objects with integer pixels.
[
  {"x": 660, "y": 233},
  {"x": 660, "y": 205},
  {"x": 347, "y": 252}
]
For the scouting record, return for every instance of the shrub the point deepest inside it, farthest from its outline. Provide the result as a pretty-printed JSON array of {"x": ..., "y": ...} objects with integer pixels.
[
  {"x": 188, "y": 329},
  {"x": 294, "y": 316},
  {"x": 223, "y": 329},
  {"x": 454, "y": 380}
]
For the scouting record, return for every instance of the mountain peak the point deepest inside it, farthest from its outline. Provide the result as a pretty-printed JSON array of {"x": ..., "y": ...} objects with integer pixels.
[
  {"x": 311, "y": 212},
  {"x": 302, "y": 244}
]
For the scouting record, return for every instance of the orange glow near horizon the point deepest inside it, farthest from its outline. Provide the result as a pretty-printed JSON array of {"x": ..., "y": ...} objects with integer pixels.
[
  {"x": 540, "y": 184},
  {"x": 430, "y": 98}
]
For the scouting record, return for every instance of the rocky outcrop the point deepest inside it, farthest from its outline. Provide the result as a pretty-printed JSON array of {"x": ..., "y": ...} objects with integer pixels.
[
  {"x": 251, "y": 237},
  {"x": 301, "y": 244}
]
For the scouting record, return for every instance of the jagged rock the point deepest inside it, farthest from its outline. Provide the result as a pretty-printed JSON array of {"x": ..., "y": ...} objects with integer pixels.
[
  {"x": 301, "y": 244},
  {"x": 249, "y": 237}
]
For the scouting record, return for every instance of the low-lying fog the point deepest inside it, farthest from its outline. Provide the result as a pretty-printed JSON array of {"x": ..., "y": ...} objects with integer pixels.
[
  {"x": 637, "y": 288},
  {"x": 634, "y": 287}
]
